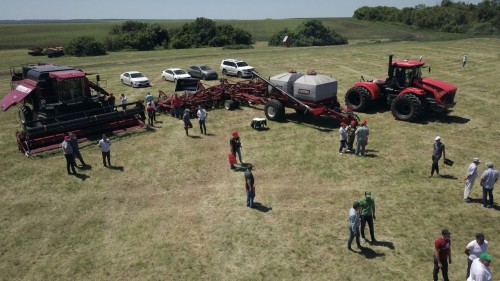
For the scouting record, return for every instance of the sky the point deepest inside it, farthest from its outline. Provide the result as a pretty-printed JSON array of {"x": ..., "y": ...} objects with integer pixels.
[{"x": 192, "y": 9}]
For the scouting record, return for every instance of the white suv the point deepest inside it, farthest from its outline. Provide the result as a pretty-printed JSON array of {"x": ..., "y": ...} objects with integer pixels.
[{"x": 236, "y": 67}]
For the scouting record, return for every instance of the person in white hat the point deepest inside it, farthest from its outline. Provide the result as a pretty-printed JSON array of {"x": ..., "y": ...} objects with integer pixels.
[
  {"x": 488, "y": 180},
  {"x": 470, "y": 178},
  {"x": 436, "y": 155}
]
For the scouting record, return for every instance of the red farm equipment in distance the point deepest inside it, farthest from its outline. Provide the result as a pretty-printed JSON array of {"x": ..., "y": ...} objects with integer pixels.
[
  {"x": 308, "y": 94},
  {"x": 58, "y": 99},
  {"x": 409, "y": 95}
]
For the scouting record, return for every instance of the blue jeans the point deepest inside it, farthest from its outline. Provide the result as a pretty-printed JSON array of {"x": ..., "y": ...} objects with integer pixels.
[
  {"x": 203, "y": 128},
  {"x": 238, "y": 151},
  {"x": 70, "y": 162},
  {"x": 250, "y": 197},
  {"x": 486, "y": 193},
  {"x": 360, "y": 145},
  {"x": 351, "y": 237}
]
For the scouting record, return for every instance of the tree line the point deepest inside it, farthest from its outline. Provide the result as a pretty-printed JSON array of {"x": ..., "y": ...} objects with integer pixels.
[{"x": 449, "y": 16}]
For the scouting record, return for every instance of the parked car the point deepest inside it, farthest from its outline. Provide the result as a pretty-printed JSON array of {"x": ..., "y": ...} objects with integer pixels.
[
  {"x": 203, "y": 72},
  {"x": 236, "y": 67},
  {"x": 134, "y": 79},
  {"x": 172, "y": 74}
]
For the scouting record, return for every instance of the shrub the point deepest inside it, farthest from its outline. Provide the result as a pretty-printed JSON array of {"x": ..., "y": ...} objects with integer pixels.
[{"x": 85, "y": 46}]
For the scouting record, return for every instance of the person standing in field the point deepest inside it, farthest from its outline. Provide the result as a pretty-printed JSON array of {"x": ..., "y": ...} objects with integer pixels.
[
  {"x": 480, "y": 269},
  {"x": 464, "y": 60},
  {"x": 474, "y": 249},
  {"x": 105, "y": 145},
  {"x": 187, "y": 121},
  {"x": 68, "y": 154},
  {"x": 351, "y": 135},
  {"x": 354, "y": 225},
  {"x": 488, "y": 180},
  {"x": 76, "y": 150},
  {"x": 342, "y": 137},
  {"x": 123, "y": 99},
  {"x": 442, "y": 255},
  {"x": 176, "y": 105},
  {"x": 438, "y": 151},
  {"x": 150, "y": 109},
  {"x": 368, "y": 215},
  {"x": 249, "y": 186},
  {"x": 362, "y": 138},
  {"x": 470, "y": 178},
  {"x": 235, "y": 145},
  {"x": 202, "y": 115}
]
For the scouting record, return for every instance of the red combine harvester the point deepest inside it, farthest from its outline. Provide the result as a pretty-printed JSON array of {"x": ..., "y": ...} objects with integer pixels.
[
  {"x": 58, "y": 99},
  {"x": 317, "y": 95},
  {"x": 408, "y": 93}
]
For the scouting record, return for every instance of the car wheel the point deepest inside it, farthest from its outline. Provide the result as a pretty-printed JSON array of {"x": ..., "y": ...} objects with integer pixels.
[
  {"x": 204, "y": 77},
  {"x": 122, "y": 81},
  {"x": 224, "y": 72},
  {"x": 240, "y": 75},
  {"x": 163, "y": 78},
  {"x": 175, "y": 80}
]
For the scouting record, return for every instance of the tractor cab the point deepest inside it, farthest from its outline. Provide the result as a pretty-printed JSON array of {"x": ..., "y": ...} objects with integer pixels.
[{"x": 403, "y": 73}]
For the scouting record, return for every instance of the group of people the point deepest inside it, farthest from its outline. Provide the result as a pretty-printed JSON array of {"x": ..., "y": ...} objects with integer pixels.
[
  {"x": 361, "y": 213},
  {"x": 347, "y": 135},
  {"x": 488, "y": 179},
  {"x": 478, "y": 259},
  {"x": 71, "y": 151},
  {"x": 201, "y": 114}
]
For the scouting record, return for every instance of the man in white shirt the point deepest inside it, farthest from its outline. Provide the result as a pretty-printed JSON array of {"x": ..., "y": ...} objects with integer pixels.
[
  {"x": 470, "y": 178},
  {"x": 202, "y": 115},
  {"x": 480, "y": 269},
  {"x": 474, "y": 249},
  {"x": 105, "y": 145}
]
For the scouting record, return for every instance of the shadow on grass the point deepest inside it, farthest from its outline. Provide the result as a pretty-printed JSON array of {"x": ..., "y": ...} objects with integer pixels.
[
  {"x": 86, "y": 167},
  {"x": 261, "y": 208},
  {"x": 369, "y": 253},
  {"x": 194, "y": 137},
  {"x": 386, "y": 244},
  {"x": 83, "y": 177},
  {"x": 117, "y": 168},
  {"x": 243, "y": 167},
  {"x": 480, "y": 202},
  {"x": 448, "y": 177},
  {"x": 320, "y": 123}
]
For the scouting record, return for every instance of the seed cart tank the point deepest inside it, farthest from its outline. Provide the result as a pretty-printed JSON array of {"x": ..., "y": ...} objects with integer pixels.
[
  {"x": 285, "y": 80},
  {"x": 315, "y": 87}
]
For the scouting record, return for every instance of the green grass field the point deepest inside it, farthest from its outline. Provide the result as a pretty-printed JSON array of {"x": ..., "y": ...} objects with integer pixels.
[{"x": 177, "y": 212}]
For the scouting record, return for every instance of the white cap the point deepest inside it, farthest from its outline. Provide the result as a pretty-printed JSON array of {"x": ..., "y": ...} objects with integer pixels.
[{"x": 437, "y": 138}]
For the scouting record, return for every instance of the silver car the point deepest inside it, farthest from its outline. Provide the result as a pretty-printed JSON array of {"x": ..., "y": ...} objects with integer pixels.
[{"x": 203, "y": 72}]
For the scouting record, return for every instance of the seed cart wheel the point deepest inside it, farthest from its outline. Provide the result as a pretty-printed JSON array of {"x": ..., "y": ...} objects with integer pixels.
[
  {"x": 407, "y": 107},
  {"x": 229, "y": 105},
  {"x": 274, "y": 110},
  {"x": 358, "y": 98}
]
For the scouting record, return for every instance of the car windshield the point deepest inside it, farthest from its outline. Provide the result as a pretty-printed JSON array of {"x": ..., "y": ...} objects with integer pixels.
[
  {"x": 241, "y": 63},
  {"x": 179, "y": 71},
  {"x": 136, "y": 75},
  {"x": 204, "y": 67}
]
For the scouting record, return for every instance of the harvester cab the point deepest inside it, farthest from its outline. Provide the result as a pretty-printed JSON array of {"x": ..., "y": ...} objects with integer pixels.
[{"x": 58, "y": 99}]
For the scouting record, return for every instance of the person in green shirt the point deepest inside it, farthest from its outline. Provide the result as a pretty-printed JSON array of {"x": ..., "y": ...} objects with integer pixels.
[{"x": 367, "y": 215}]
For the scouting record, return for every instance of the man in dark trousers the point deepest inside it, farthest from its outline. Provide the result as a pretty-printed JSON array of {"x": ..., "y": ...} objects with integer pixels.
[
  {"x": 76, "y": 150},
  {"x": 442, "y": 255},
  {"x": 367, "y": 215},
  {"x": 68, "y": 154},
  {"x": 436, "y": 155},
  {"x": 249, "y": 186}
]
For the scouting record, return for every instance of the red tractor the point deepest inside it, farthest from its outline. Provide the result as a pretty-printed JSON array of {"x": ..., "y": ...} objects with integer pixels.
[{"x": 408, "y": 93}]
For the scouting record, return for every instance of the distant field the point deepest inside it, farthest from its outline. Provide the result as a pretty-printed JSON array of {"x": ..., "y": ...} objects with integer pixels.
[
  {"x": 177, "y": 212},
  {"x": 22, "y": 35}
]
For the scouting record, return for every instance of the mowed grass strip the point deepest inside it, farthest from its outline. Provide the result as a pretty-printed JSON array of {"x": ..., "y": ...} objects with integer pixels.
[{"x": 177, "y": 211}]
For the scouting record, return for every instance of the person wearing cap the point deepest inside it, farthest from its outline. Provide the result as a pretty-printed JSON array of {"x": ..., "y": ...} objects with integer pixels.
[
  {"x": 367, "y": 215},
  {"x": 480, "y": 269},
  {"x": 150, "y": 109},
  {"x": 68, "y": 154},
  {"x": 123, "y": 99},
  {"x": 351, "y": 135},
  {"x": 362, "y": 138},
  {"x": 488, "y": 180},
  {"x": 342, "y": 137},
  {"x": 235, "y": 145},
  {"x": 474, "y": 249},
  {"x": 442, "y": 255},
  {"x": 105, "y": 145},
  {"x": 353, "y": 220},
  {"x": 186, "y": 117},
  {"x": 176, "y": 105},
  {"x": 438, "y": 151},
  {"x": 249, "y": 186},
  {"x": 76, "y": 150},
  {"x": 470, "y": 178}
]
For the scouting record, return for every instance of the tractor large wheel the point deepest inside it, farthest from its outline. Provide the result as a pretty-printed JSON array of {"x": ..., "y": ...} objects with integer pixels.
[
  {"x": 358, "y": 98},
  {"x": 407, "y": 107},
  {"x": 274, "y": 110}
]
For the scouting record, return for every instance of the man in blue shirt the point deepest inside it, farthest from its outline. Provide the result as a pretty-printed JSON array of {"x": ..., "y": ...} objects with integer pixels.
[
  {"x": 354, "y": 225},
  {"x": 488, "y": 180}
]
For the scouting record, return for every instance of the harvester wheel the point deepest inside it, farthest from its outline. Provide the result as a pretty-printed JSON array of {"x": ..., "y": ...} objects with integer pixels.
[
  {"x": 406, "y": 107},
  {"x": 358, "y": 98},
  {"x": 229, "y": 105},
  {"x": 274, "y": 110}
]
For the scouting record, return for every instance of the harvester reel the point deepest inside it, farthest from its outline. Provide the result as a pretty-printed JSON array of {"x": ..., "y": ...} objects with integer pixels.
[
  {"x": 274, "y": 110},
  {"x": 358, "y": 98},
  {"x": 406, "y": 107}
]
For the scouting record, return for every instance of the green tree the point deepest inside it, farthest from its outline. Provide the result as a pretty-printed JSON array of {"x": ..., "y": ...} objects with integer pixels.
[{"x": 84, "y": 46}]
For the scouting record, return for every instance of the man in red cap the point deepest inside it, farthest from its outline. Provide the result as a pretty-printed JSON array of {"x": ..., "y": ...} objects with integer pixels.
[
  {"x": 235, "y": 145},
  {"x": 362, "y": 136},
  {"x": 343, "y": 137},
  {"x": 351, "y": 135},
  {"x": 68, "y": 154}
]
